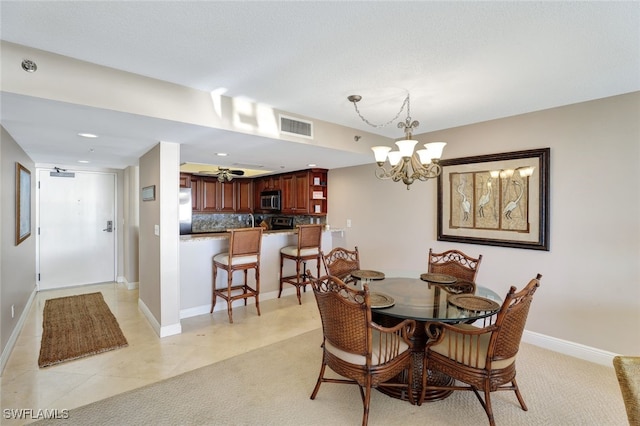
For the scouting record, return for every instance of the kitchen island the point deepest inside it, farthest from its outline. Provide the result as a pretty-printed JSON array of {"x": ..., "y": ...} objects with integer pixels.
[{"x": 196, "y": 268}]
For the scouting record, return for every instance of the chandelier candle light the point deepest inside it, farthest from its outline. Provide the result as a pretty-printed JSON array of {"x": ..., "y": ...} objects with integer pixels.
[{"x": 406, "y": 166}]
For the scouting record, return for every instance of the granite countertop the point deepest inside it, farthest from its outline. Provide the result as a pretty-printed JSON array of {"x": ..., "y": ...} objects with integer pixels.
[{"x": 199, "y": 236}]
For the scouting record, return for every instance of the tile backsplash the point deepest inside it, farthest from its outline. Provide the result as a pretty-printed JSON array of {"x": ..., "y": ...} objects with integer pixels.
[{"x": 221, "y": 222}]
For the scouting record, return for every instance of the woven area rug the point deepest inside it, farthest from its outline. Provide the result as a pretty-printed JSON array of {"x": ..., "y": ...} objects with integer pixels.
[{"x": 76, "y": 327}]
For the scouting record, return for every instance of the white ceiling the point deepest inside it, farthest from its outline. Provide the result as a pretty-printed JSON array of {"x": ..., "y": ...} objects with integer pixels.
[{"x": 462, "y": 62}]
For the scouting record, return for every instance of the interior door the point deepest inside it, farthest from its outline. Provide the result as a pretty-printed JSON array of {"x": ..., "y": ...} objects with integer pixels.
[{"x": 76, "y": 226}]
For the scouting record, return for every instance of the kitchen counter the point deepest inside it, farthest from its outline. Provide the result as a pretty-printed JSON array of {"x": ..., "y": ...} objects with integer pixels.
[
  {"x": 222, "y": 234},
  {"x": 196, "y": 270}
]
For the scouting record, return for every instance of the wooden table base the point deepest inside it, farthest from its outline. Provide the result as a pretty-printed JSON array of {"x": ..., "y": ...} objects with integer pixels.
[{"x": 435, "y": 378}]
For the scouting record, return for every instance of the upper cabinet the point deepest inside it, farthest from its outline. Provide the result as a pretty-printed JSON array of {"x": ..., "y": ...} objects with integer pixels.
[
  {"x": 208, "y": 195},
  {"x": 303, "y": 192}
]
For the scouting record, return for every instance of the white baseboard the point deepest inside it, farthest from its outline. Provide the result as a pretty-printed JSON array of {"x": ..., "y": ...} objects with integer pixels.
[
  {"x": 11, "y": 343},
  {"x": 127, "y": 284},
  {"x": 222, "y": 305},
  {"x": 565, "y": 347},
  {"x": 161, "y": 331}
]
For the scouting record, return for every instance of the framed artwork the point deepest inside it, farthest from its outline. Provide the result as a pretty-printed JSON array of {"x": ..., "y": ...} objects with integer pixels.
[
  {"x": 149, "y": 193},
  {"x": 23, "y": 203},
  {"x": 497, "y": 199}
]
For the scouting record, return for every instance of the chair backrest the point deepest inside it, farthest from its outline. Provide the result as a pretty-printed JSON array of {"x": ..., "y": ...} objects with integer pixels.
[
  {"x": 340, "y": 262},
  {"x": 454, "y": 263},
  {"x": 628, "y": 374},
  {"x": 309, "y": 236},
  {"x": 345, "y": 315},
  {"x": 245, "y": 241},
  {"x": 510, "y": 322}
]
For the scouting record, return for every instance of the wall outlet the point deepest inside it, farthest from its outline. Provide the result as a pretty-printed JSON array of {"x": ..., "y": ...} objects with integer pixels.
[
  {"x": 348, "y": 223},
  {"x": 156, "y": 229},
  {"x": 13, "y": 311}
]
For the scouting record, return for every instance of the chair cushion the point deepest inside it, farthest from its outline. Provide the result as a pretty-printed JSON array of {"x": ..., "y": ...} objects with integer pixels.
[
  {"x": 238, "y": 260},
  {"x": 356, "y": 359},
  {"x": 470, "y": 348},
  {"x": 293, "y": 251}
]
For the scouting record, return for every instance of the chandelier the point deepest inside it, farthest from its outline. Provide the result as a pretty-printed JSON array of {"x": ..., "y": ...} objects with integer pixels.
[{"x": 406, "y": 166}]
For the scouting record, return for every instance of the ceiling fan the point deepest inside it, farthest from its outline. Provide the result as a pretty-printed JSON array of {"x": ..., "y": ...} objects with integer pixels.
[{"x": 223, "y": 173}]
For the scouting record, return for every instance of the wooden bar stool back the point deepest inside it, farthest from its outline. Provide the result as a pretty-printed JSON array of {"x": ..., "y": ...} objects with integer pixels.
[
  {"x": 243, "y": 254},
  {"x": 308, "y": 248}
]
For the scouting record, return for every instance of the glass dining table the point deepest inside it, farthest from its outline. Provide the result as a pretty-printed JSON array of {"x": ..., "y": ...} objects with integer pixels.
[{"x": 396, "y": 299}]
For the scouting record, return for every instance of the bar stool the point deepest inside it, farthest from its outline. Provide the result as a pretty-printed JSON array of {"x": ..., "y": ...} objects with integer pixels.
[
  {"x": 308, "y": 248},
  {"x": 243, "y": 254}
]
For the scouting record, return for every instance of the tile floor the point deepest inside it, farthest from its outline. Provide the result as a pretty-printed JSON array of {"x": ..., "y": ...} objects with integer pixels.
[{"x": 205, "y": 339}]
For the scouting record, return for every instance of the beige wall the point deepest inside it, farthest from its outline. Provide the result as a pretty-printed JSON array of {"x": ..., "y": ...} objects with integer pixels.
[
  {"x": 17, "y": 263},
  {"x": 590, "y": 290},
  {"x": 159, "y": 285}
]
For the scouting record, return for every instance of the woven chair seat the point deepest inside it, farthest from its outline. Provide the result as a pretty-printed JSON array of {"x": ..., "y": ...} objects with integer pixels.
[
  {"x": 294, "y": 252},
  {"x": 379, "y": 355},
  {"x": 238, "y": 260},
  {"x": 457, "y": 346}
]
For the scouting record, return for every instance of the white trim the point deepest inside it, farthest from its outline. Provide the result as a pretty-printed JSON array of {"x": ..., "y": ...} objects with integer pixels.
[
  {"x": 129, "y": 286},
  {"x": 576, "y": 350},
  {"x": 11, "y": 343},
  {"x": 161, "y": 331},
  {"x": 222, "y": 305}
]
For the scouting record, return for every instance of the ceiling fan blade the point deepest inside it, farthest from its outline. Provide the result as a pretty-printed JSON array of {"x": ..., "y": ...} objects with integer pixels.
[{"x": 237, "y": 172}]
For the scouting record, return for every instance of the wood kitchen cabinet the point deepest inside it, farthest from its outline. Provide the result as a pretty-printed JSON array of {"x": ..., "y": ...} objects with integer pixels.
[
  {"x": 243, "y": 195},
  {"x": 208, "y": 195},
  {"x": 303, "y": 192},
  {"x": 295, "y": 193}
]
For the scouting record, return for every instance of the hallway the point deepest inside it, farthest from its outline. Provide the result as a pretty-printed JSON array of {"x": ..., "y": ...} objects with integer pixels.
[{"x": 205, "y": 339}]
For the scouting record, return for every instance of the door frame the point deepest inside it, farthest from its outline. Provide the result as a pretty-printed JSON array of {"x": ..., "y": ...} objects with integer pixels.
[{"x": 116, "y": 224}]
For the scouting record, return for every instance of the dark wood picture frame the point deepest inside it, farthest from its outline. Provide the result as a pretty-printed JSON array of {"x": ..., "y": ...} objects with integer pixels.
[
  {"x": 23, "y": 203},
  {"x": 497, "y": 199}
]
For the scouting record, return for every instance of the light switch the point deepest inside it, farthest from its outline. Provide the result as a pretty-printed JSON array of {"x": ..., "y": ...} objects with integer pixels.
[
  {"x": 348, "y": 223},
  {"x": 156, "y": 229}
]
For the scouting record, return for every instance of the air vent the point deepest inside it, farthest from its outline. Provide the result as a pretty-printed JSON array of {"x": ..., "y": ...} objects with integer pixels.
[{"x": 294, "y": 126}]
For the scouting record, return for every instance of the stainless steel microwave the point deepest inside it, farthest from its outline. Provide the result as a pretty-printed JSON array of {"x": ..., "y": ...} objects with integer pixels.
[{"x": 270, "y": 200}]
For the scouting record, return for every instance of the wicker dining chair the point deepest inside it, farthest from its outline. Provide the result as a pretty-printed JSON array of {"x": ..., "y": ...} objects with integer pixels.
[
  {"x": 457, "y": 264},
  {"x": 628, "y": 374},
  {"x": 484, "y": 359},
  {"x": 340, "y": 262},
  {"x": 355, "y": 347},
  {"x": 243, "y": 254}
]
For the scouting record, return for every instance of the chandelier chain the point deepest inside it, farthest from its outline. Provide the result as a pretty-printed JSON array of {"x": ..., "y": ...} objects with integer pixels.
[{"x": 406, "y": 102}]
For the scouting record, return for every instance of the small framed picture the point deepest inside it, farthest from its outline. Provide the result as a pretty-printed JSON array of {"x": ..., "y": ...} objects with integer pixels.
[{"x": 149, "y": 193}]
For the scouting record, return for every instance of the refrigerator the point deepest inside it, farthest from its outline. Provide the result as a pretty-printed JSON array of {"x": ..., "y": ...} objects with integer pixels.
[{"x": 184, "y": 211}]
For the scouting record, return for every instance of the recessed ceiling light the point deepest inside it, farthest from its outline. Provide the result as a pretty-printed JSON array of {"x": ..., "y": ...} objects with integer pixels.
[
  {"x": 83, "y": 161},
  {"x": 87, "y": 135},
  {"x": 311, "y": 165},
  {"x": 222, "y": 154}
]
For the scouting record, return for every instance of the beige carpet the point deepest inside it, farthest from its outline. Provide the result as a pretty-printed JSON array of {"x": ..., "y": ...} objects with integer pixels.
[
  {"x": 77, "y": 326},
  {"x": 272, "y": 385}
]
